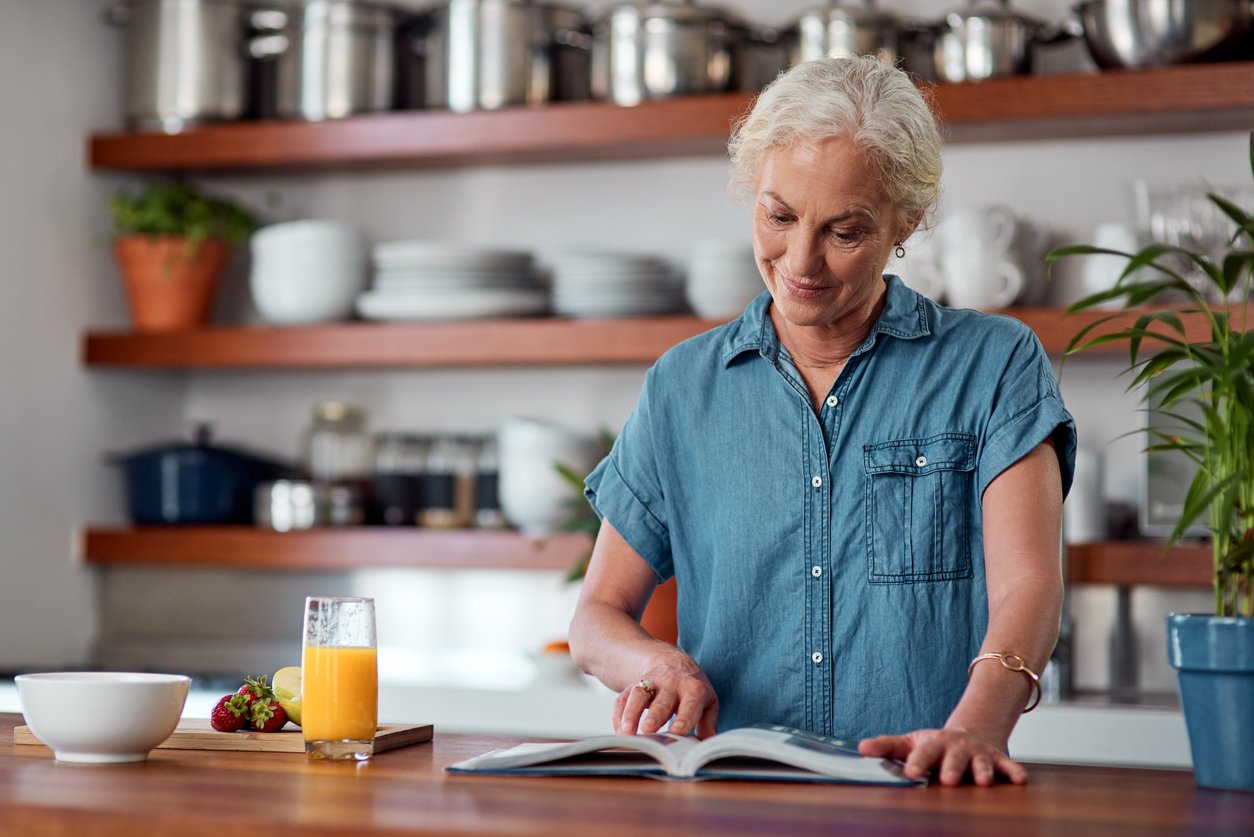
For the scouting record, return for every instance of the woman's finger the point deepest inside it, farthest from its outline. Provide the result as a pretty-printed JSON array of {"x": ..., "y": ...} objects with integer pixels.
[
  {"x": 885, "y": 747},
  {"x": 1011, "y": 769},
  {"x": 661, "y": 707}
]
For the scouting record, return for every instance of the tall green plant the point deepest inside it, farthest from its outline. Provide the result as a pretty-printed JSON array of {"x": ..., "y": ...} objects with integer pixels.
[{"x": 1216, "y": 375}]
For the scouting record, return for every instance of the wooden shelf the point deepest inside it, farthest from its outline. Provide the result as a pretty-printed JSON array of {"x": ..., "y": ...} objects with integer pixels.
[
  {"x": 246, "y": 547},
  {"x": 522, "y": 342},
  {"x": 1112, "y": 103},
  {"x": 1130, "y": 563}
]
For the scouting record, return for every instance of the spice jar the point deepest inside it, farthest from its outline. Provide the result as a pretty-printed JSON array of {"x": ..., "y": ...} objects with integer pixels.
[
  {"x": 400, "y": 460},
  {"x": 488, "y": 514},
  {"x": 448, "y": 484}
]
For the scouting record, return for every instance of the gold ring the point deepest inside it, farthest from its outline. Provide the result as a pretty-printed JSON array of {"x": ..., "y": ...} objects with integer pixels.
[{"x": 647, "y": 686}]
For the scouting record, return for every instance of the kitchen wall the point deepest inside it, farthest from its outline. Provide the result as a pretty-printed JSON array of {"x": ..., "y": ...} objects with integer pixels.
[{"x": 471, "y": 627}]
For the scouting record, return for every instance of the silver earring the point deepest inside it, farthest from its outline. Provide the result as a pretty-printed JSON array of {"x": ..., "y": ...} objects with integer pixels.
[{"x": 900, "y": 252}]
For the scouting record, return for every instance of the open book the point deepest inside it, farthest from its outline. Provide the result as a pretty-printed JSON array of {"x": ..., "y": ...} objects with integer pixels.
[{"x": 761, "y": 752}]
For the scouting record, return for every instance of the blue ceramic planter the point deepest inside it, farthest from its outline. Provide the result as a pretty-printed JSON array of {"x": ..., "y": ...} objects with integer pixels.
[{"x": 1214, "y": 660}]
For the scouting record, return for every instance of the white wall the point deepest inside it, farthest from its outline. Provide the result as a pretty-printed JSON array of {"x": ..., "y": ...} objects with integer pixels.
[{"x": 60, "y": 83}]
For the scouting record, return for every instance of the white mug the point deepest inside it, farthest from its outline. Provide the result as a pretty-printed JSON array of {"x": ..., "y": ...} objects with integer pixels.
[
  {"x": 1101, "y": 271},
  {"x": 307, "y": 271},
  {"x": 989, "y": 228},
  {"x": 981, "y": 280}
]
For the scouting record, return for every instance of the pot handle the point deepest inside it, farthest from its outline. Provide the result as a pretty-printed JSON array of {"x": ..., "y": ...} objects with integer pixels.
[
  {"x": 262, "y": 47},
  {"x": 267, "y": 20}
]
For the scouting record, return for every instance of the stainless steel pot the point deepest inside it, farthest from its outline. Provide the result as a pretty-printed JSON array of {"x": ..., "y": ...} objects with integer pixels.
[
  {"x": 1153, "y": 33},
  {"x": 488, "y": 54},
  {"x": 657, "y": 49},
  {"x": 846, "y": 27},
  {"x": 988, "y": 40},
  {"x": 184, "y": 61},
  {"x": 334, "y": 58},
  {"x": 759, "y": 57}
]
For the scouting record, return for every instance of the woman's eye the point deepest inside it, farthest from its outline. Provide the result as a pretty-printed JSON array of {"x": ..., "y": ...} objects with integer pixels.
[
  {"x": 776, "y": 218},
  {"x": 847, "y": 236}
]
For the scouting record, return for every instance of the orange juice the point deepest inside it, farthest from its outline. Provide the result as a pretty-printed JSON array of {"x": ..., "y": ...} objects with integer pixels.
[{"x": 339, "y": 693}]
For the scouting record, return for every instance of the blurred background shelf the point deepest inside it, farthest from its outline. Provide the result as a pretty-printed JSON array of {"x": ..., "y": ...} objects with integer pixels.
[
  {"x": 1131, "y": 563},
  {"x": 1113, "y": 103},
  {"x": 502, "y": 342},
  {"x": 247, "y": 547}
]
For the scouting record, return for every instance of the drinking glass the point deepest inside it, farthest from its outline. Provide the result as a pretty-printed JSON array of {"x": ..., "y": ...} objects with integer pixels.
[{"x": 340, "y": 678}]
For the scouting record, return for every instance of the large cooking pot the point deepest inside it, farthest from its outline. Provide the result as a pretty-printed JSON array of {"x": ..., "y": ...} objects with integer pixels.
[
  {"x": 331, "y": 58},
  {"x": 846, "y": 27},
  {"x": 195, "y": 482},
  {"x": 487, "y": 54},
  {"x": 184, "y": 61},
  {"x": 1152, "y": 33},
  {"x": 987, "y": 40},
  {"x": 653, "y": 50}
]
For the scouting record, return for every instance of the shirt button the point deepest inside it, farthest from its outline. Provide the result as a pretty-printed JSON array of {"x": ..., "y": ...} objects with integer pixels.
[
  {"x": 816, "y": 481},
  {"x": 816, "y": 571},
  {"x": 817, "y": 657},
  {"x": 832, "y": 401},
  {"x": 921, "y": 461}
]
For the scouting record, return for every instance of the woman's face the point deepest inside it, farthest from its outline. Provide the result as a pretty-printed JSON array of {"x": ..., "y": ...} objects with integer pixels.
[{"x": 823, "y": 229}]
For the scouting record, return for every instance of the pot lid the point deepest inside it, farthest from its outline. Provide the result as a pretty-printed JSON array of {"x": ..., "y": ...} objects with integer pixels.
[
  {"x": 201, "y": 441},
  {"x": 989, "y": 11},
  {"x": 855, "y": 12}
]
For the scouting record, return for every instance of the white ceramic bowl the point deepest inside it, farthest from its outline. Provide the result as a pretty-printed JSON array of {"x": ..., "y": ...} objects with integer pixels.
[
  {"x": 308, "y": 271},
  {"x": 102, "y": 716}
]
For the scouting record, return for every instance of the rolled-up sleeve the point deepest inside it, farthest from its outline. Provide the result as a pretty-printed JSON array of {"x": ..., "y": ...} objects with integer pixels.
[{"x": 1027, "y": 410}]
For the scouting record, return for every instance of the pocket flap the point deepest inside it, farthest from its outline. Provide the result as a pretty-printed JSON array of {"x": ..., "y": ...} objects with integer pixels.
[{"x": 916, "y": 457}]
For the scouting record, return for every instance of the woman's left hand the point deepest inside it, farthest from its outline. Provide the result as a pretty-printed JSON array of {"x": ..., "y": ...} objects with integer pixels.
[{"x": 954, "y": 751}]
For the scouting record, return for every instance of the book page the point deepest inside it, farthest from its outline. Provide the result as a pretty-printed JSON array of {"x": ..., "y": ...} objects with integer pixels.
[
  {"x": 664, "y": 749},
  {"x": 828, "y": 757}
]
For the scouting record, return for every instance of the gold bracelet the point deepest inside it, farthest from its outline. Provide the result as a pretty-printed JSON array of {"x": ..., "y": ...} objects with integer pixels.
[{"x": 1013, "y": 662}]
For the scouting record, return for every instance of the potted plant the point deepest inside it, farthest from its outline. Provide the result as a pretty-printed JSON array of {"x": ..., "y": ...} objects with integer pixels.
[
  {"x": 172, "y": 244},
  {"x": 1204, "y": 387},
  {"x": 659, "y": 617}
]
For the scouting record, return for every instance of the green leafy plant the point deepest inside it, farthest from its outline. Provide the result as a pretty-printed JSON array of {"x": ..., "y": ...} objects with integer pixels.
[
  {"x": 1214, "y": 374},
  {"x": 580, "y": 516},
  {"x": 177, "y": 209}
]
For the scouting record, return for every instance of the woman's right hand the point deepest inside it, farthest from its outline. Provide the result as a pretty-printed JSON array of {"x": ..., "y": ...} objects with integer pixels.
[{"x": 680, "y": 691}]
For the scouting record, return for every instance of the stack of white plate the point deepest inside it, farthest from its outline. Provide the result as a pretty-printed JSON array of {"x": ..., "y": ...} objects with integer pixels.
[
  {"x": 439, "y": 280},
  {"x": 609, "y": 284},
  {"x": 722, "y": 278}
]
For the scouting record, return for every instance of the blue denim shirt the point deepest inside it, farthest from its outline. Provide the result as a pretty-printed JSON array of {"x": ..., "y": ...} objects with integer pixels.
[{"x": 830, "y": 566}]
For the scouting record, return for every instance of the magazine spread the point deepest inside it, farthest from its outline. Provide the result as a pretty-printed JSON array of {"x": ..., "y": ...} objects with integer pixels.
[{"x": 762, "y": 752}]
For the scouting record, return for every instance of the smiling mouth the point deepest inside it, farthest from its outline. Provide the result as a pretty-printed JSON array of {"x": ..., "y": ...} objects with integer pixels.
[{"x": 798, "y": 287}]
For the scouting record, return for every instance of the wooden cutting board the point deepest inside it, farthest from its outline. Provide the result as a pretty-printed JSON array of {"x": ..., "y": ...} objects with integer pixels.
[{"x": 196, "y": 734}]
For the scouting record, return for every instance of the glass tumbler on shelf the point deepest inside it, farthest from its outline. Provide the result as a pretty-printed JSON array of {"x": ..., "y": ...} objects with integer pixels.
[
  {"x": 488, "y": 514},
  {"x": 339, "y": 678},
  {"x": 400, "y": 461},
  {"x": 448, "y": 488}
]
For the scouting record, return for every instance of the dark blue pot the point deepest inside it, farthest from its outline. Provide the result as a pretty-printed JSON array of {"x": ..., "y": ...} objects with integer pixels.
[{"x": 1214, "y": 660}]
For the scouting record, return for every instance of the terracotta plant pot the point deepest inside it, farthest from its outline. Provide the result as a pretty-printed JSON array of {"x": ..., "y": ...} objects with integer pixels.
[
  {"x": 659, "y": 617},
  {"x": 169, "y": 285}
]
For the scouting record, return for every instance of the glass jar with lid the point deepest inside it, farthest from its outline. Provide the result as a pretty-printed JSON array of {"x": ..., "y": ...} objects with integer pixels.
[
  {"x": 488, "y": 514},
  {"x": 448, "y": 484},
  {"x": 400, "y": 461},
  {"x": 337, "y": 447}
]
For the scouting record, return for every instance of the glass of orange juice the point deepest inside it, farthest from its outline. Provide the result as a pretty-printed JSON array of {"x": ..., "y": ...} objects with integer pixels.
[{"x": 339, "y": 678}]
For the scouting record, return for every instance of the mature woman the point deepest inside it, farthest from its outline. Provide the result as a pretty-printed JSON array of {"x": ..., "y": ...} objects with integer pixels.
[{"x": 857, "y": 490}]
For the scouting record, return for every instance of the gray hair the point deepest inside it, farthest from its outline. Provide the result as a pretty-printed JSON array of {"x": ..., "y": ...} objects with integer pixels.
[{"x": 870, "y": 102}]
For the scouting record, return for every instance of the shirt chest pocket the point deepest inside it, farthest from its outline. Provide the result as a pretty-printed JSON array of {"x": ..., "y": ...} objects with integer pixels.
[{"x": 918, "y": 501}]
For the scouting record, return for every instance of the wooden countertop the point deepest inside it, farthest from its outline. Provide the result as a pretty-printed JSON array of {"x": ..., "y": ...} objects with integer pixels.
[{"x": 190, "y": 792}]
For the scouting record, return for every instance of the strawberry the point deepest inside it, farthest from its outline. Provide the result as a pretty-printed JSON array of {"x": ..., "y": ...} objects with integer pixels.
[
  {"x": 263, "y": 711},
  {"x": 267, "y": 715},
  {"x": 230, "y": 714}
]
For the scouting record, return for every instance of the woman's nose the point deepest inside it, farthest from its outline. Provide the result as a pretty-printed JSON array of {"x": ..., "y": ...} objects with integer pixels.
[{"x": 805, "y": 254}]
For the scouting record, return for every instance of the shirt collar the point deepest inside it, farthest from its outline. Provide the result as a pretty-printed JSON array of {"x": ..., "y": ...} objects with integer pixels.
[{"x": 905, "y": 315}]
